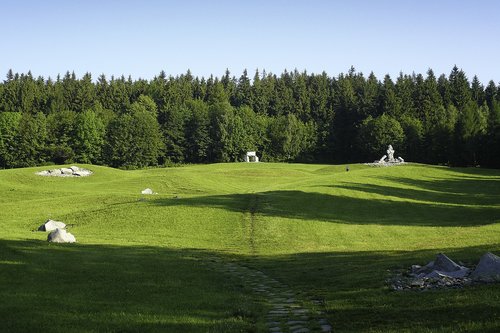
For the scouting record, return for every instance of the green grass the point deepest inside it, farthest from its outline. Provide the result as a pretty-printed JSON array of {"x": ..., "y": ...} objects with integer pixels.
[{"x": 140, "y": 263}]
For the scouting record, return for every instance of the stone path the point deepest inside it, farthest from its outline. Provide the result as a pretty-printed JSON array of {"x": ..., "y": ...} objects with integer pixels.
[{"x": 287, "y": 312}]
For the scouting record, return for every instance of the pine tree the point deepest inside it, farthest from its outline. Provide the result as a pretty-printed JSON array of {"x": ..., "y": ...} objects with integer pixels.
[
  {"x": 9, "y": 126},
  {"x": 89, "y": 137}
]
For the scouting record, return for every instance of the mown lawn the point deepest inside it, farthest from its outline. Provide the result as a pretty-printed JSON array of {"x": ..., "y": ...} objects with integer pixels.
[{"x": 331, "y": 235}]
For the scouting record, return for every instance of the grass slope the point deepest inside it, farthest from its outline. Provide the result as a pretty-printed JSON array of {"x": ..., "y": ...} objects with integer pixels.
[{"x": 329, "y": 234}]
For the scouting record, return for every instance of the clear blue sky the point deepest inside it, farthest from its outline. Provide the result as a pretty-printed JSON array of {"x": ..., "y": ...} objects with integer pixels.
[{"x": 141, "y": 38}]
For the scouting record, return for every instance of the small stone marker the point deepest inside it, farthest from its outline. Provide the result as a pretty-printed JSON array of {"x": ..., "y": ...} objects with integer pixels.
[
  {"x": 61, "y": 236},
  {"x": 51, "y": 225},
  {"x": 147, "y": 191}
]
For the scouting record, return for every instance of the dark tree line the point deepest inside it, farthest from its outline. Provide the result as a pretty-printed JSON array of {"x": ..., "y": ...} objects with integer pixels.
[{"x": 291, "y": 117}]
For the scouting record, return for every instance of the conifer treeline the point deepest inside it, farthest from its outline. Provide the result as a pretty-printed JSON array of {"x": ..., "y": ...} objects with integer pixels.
[{"x": 291, "y": 117}]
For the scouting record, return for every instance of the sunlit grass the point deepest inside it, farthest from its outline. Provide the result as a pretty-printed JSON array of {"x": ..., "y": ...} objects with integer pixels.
[{"x": 325, "y": 232}]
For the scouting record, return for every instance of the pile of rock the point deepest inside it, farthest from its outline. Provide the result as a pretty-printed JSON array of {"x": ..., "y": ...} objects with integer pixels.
[
  {"x": 72, "y": 171},
  {"x": 445, "y": 273},
  {"x": 58, "y": 233}
]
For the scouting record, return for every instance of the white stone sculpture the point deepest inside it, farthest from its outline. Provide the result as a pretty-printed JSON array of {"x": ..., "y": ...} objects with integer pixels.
[
  {"x": 251, "y": 156},
  {"x": 388, "y": 159},
  {"x": 390, "y": 154}
]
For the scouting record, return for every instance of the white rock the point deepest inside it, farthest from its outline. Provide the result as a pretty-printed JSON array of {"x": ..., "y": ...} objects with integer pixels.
[
  {"x": 443, "y": 263},
  {"x": 51, "y": 225},
  {"x": 147, "y": 191},
  {"x": 82, "y": 173},
  {"x": 488, "y": 268},
  {"x": 66, "y": 171},
  {"x": 74, "y": 168},
  {"x": 61, "y": 236}
]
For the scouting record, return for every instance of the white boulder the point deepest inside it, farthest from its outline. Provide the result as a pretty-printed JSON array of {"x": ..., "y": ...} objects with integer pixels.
[
  {"x": 488, "y": 268},
  {"x": 61, "y": 236},
  {"x": 441, "y": 266},
  {"x": 66, "y": 171},
  {"x": 51, "y": 225},
  {"x": 147, "y": 191}
]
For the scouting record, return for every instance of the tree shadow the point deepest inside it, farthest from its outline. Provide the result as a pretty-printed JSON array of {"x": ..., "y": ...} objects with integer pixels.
[
  {"x": 345, "y": 209},
  {"x": 355, "y": 295},
  {"x": 76, "y": 288},
  {"x": 81, "y": 288},
  {"x": 473, "y": 192}
]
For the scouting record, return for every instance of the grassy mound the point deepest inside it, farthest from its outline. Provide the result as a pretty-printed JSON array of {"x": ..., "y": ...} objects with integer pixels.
[{"x": 331, "y": 235}]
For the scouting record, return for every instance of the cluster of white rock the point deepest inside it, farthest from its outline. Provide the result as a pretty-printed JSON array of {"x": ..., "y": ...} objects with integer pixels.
[
  {"x": 72, "y": 171},
  {"x": 445, "y": 273},
  {"x": 57, "y": 232}
]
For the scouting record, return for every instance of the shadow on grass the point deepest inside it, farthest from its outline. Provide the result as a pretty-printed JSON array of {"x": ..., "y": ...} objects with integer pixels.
[
  {"x": 473, "y": 192},
  {"x": 80, "y": 288},
  {"x": 349, "y": 210},
  {"x": 357, "y": 298}
]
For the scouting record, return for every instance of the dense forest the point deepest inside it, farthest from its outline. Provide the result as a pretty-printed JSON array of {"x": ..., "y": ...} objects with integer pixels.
[{"x": 295, "y": 116}]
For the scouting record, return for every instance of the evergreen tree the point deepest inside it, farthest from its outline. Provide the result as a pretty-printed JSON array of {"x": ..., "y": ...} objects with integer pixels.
[
  {"x": 31, "y": 140},
  {"x": 376, "y": 134},
  {"x": 288, "y": 138},
  {"x": 60, "y": 136},
  {"x": 133, "y": 139},
  {"x": 89, "y": 137},
  {"x": 197, "y": 132},
  {"x": 459, "y": 88},
  {"x": 9, "y": 126}
]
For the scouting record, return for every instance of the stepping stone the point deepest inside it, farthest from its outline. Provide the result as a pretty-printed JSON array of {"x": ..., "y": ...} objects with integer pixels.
[
  {"x": 296, "y": 327},
  {"x": 278, "y": 311},
  {"x": 326, "y": 328},
  {"x": 301, "y": 330},
  {"x": 273, "y": 323}
]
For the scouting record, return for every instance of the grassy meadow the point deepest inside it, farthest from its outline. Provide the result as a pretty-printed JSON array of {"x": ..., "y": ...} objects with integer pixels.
[{"x": 142, "y": 263}]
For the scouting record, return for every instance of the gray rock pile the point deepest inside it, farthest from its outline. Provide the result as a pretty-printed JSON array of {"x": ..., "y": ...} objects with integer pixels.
[
  {"x": 72, "y": 171},
  {"x": 445, "y": 273},
  {"x": 58, "y": 233}
]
